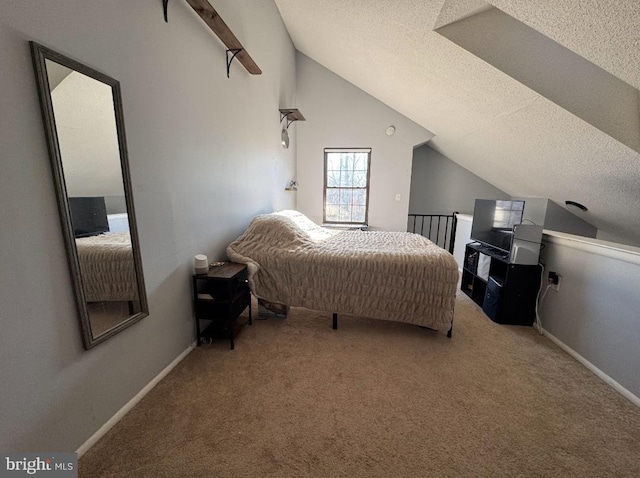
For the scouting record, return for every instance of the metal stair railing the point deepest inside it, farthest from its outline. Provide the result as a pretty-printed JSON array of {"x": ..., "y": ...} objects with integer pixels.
[{"x": 438, "y": 228}]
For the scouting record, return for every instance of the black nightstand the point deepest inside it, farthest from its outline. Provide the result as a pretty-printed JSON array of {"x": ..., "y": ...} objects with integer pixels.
[{"x": 219, "y": 297}]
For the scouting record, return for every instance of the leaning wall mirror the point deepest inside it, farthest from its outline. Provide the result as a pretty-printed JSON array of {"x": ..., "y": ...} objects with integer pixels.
[{"x": 83, "y": 121}]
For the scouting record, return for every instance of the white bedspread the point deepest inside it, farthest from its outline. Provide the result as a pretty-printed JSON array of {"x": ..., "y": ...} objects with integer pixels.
[
  {"x": 385, "y": 275},
  {"x": 107, "y": 267}
]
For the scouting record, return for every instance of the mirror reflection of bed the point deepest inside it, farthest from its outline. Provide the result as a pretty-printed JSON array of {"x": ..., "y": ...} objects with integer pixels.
[{"x": 103, "y": 242}]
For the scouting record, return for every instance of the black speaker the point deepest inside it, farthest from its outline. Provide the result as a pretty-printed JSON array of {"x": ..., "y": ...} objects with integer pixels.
[{"x": 492, "y": 298}]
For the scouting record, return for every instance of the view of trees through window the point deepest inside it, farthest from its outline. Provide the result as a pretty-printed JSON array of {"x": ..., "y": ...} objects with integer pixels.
[{"x": 346, "y": 185}]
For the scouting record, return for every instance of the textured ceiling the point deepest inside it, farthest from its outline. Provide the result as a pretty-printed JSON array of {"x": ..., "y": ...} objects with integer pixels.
[{"x": 486, "y": 121}]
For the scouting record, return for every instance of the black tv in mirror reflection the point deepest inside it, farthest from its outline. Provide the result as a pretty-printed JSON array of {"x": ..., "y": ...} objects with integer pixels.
[{"x": 88, "y": 216}]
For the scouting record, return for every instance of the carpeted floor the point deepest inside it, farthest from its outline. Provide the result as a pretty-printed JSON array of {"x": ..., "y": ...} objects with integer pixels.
[
  {"x": 375, "y": 399},
  {"x": 104, "y": 315}
]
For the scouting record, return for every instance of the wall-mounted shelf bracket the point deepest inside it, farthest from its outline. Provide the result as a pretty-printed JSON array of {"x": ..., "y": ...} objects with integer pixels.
[
  {"x": 235, "y": 51},
  {"x": 291, "y": 114},
  {"x": 209, "y": 15},
  {"x": 165, "y": 6},
  {"x": 283, "y": 116}
]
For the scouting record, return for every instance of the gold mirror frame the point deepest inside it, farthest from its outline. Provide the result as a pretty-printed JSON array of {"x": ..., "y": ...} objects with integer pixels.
[{"x": 137, "y": 307}]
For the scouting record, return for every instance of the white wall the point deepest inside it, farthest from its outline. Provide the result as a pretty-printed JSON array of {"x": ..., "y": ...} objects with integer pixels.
[
  {"x": 595, "y": 312},
  {"x": 87, "y": 136},
  {"x": 553, "y": 217},
  {"x": 463, "y": 237},
  {"x": 558, "y": 218},
  {"x": 440, "y": 186},
  {"x": 338, "y": 114},
  {"x": 205, "y": 157}
]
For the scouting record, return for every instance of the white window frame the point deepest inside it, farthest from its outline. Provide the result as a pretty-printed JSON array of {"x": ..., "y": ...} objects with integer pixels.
[{"x": 366, "y": 188}]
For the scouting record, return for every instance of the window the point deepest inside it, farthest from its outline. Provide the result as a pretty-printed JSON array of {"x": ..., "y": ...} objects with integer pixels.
[{"x": 346, "y": 185}]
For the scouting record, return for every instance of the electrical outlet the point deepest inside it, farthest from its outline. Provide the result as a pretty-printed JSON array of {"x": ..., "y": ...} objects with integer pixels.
[
  {"x": 398, "y": 197},
  {"x": 554, "y": 280}
]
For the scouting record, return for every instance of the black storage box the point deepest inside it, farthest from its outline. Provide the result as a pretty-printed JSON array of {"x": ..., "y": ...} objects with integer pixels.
[{"x": 492, "y": 298}]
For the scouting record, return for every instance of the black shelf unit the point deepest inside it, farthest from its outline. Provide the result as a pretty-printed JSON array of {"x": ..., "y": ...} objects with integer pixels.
[
  {"x": 219, "y": 298},
  {"x": 509, "y": 292}
]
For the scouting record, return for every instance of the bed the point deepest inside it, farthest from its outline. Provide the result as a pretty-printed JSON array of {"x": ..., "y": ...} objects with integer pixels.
[
  {"x": 396, "y": 276},
  {"x": 107, "y": 267}
]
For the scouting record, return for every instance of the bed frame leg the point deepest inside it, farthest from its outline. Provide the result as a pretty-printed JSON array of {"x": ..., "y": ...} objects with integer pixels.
[
  {"x": 335, "y": 321},
  {"x": 450, "y": 331}
]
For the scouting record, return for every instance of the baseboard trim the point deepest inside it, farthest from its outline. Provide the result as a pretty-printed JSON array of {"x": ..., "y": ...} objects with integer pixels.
[
  {"x": 131, "y": 403},
  {"x": 599, "y": 373}
]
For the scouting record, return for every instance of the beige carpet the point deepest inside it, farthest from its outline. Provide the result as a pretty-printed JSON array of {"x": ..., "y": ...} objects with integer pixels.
[{"x": 375, "y": 399}]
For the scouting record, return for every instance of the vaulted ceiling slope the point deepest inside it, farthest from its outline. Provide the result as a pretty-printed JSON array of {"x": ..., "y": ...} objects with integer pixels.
[{"x": 539, "y": 98}]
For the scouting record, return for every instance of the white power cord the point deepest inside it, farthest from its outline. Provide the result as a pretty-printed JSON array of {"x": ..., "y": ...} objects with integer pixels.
[{"x": 540, "y": 299}]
